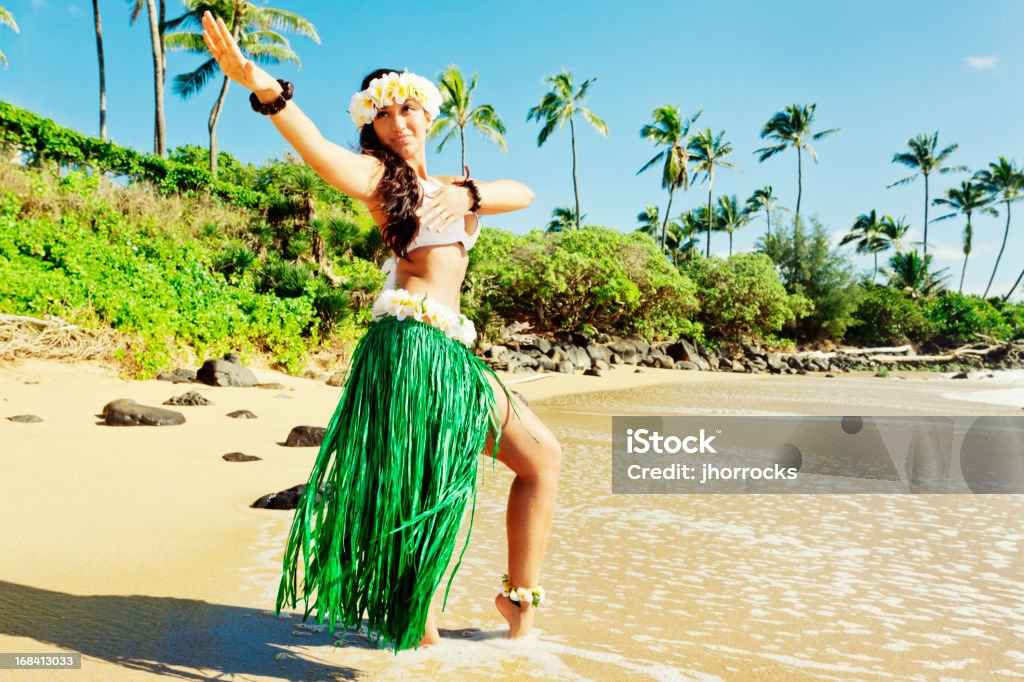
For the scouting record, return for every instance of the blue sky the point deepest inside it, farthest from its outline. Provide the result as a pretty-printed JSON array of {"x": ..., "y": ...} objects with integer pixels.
[{"x": 881, "y": 71}]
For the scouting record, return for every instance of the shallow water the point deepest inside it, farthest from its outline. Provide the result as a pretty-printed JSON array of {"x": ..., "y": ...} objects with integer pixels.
[{"x": 664, "y": 587}]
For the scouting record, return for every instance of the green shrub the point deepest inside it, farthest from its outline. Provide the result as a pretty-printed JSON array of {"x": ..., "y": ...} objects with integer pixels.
[
  {"x": 742, "y": 298},
  {"x": 889, "y": 316},
  {"x": 958, "y": 319},
  {"x": 616, "y": 283},
  {"x": 811, "y": 267}
]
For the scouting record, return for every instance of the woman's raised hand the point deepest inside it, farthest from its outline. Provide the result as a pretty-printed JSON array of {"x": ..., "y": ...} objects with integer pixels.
[{"x": 232, "y": 62}]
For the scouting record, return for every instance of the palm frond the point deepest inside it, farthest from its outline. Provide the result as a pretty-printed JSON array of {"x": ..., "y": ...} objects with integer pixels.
[
  {"x": 591, "y": 118},
  {"x": 769, "y": 152},
  {"x": 493, "y": 134},
  {"x": 270, "y": 17},
  {"x": 188, "y": 84},
  {"x": 266, "y": 37},
  {"x": 441, "y": 124},
  {"x": 907, "y": 159},
  {"x": 186, "y": 42},
  {"x": 451, "y": 135},
  {"x": 904, "y": 181},
  {"x": 272, "y": 54},
  {"x": 657, "y": 158},
  {"x": 485, "y": 115},
  {"x": 7, "y": 19},
  {"x": 546, "y": 131}
]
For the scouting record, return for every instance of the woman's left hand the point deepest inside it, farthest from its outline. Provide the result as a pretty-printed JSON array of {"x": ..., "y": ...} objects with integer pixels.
[{"x": 443, "y": 207}]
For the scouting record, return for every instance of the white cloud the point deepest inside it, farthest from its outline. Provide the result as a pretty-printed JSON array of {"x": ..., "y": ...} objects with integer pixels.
[
  {"x": 981, "y": 63},
  {"x": 946, "y": 253},
  {"x": 74, "y": 10}
]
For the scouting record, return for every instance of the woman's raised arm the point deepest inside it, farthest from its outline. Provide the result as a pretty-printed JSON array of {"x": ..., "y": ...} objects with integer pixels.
[{"x": 354, "y": 174}]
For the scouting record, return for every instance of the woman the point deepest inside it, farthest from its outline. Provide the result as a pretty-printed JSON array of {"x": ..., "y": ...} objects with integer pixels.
[{"x": 398, "y": 462}]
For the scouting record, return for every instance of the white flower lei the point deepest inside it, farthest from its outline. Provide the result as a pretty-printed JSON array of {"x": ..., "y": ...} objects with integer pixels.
[
  {"x": 393, "y": 88},
  {"x": 402, "y": 304}
]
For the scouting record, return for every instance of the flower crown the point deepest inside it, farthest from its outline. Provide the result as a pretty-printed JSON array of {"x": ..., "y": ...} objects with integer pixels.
[{"x": 393, "y": 88}]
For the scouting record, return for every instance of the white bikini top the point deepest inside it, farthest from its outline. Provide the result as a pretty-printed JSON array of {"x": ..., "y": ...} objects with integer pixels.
[{"x": 452, "y": 234}]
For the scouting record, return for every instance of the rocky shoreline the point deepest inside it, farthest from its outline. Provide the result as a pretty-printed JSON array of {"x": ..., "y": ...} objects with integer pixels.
[{"x": 569, "y": 352}]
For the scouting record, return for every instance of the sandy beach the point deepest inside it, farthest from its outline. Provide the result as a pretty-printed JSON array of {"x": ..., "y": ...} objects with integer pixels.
[{"x": 137, "y": 546}]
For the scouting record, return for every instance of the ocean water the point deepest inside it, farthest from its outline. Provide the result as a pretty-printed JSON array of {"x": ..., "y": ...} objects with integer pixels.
[
  {"x": 728, "y": 587},
  {"x": 1007, "y": 388}
]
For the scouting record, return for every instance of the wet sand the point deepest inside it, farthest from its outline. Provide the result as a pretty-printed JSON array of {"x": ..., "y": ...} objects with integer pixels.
[{"x": 137, "y": 547}]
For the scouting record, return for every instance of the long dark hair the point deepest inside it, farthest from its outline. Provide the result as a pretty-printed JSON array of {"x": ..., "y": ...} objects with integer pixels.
[{"x": 399, "y": 191}]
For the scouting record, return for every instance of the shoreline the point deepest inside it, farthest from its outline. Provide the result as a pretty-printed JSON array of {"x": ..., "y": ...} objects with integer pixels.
[{"x": 145, "y": 543}]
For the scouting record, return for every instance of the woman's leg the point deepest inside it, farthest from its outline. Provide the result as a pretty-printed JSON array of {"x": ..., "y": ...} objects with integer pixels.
[{"x": 531, "y": 500}]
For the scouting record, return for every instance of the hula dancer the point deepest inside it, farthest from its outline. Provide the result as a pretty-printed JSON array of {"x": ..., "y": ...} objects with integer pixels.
[{"x": 398, "y": 463}]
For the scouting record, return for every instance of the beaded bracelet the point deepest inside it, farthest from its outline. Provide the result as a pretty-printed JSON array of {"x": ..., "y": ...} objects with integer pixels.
[
  {"x": 474, "y": 192},
  {"x": 287, "y": 90}
]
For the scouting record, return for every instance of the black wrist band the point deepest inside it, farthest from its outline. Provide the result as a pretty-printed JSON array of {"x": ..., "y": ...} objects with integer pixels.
[
  {"x": 287, "y": 90},
  {"x": 474, "y": 192}
]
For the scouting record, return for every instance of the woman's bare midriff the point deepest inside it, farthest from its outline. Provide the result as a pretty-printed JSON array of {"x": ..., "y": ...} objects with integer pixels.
[{"x": 436, "y": 271}]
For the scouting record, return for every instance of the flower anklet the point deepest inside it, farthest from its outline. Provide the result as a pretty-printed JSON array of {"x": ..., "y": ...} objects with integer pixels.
[{"x": 532, "y": 595}]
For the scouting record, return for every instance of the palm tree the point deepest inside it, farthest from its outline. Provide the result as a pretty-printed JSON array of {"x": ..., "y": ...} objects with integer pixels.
[
  {"x": 970, "y": 198},
  {"x": 763, "y": 200},
  {"x": 867, "y": 234},
  {"x": 669, "y": 130},
  {"x": 7, "y": 19},
  {"x": 909, "y": 271},
  {"x": 708, "y": 151},
  {"x": 732, "y": 216},
  {"x": 892, "y": 232},
  {"x": 791, "y": 127},
  {"x": 559, "y": 105},
  {"x": 1004, "y": 181},
  {"x": 922, "y": 156},
  {"x": 676, "y": 240},
  {"x": 564, "y": 218},
  {"x": 691, "y": 224},
  {"x": 649, "y": 221},
  {"x": 253, "y": 28},
  {"x": 103, "y": 85},
  {"x": 457, "y": 111},
  {"x": 156, "y": 35}
]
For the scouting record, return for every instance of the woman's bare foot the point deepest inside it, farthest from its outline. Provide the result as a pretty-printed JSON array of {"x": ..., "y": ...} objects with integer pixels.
[
  {"x": 430, "y": 634},
  {"x": 520, "y": 618}
]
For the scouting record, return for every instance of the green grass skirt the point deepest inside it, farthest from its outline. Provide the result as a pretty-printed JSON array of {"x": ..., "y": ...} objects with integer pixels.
[{"x": 397, "y": 467}]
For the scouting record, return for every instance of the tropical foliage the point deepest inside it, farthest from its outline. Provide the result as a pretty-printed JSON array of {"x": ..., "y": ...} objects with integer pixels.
[
  {"x": 791, "y": 127},
  {"x": 7, "y": 19},
  {"x": 669, "y": 130},
  {"x": 708, "y": 153},
  {"x": 253, "y": 28},
  {"x": 457, "y": 112},
  {"x": 561, "y": 104},
  {"x": 923, "y": 158}
]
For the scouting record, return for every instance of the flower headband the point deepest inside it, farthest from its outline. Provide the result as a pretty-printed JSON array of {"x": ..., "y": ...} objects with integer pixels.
[{"x": 393, "y": 88}]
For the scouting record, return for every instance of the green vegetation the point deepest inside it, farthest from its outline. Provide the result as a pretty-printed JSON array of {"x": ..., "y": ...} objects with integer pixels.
[
  {"x": 923, "y": 158},
  {"x": 791, "y": 127},
  {"x": 457, "y": 111},
  {"x": 742, "y": 299},
  {"x": 44, "y": 140},
  {"x": 669, "y": 130},
  {"x": 810, "y": 267},
  {"x": 253, "y": 28},
  {"x": 709, "y": 152},
  {"x": 272, "y": 260},
  {"x": 560, "y": 104}
]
